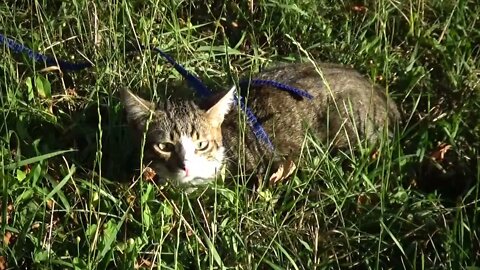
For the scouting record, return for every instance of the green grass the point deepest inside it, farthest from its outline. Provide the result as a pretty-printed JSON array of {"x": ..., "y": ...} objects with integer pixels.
[{"x": 84, "y": 209}]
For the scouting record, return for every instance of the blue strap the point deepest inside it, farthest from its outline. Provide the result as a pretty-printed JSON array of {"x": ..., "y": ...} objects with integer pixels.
[
  {"x": 205, "y": 92},
  {"x": 201, "y": 88},
  {"x": 19, "y": 48},
  {"x": 252, "y": 120},
  {"x": 281, "y": 86},
  {"x": 193, "y": 81}
]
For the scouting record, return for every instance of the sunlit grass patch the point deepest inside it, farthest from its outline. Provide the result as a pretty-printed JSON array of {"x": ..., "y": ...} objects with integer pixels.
[{"x": 412, "y": 202}]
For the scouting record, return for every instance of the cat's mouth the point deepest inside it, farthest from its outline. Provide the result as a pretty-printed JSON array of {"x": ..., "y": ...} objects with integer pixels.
[
  {"x": 183, "y": 178},
  {"x": 190, "y": 174}
]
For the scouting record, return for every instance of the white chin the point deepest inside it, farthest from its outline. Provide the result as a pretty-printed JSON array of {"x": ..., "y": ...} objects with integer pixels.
[
  {"x": 197, "y": 176},
  {"x": 192, "y": 180},
  {"x": 180, "y": 179}
]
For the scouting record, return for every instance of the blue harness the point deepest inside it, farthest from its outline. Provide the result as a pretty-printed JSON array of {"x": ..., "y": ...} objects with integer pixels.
[{"x": 193, "y": 81}]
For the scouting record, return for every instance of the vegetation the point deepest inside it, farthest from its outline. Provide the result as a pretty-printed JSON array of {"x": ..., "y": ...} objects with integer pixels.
[{"x": 72, "y": 195}]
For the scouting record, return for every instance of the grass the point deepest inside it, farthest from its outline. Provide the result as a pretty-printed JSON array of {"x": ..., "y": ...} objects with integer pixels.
[{"x": 90, "y": 209}]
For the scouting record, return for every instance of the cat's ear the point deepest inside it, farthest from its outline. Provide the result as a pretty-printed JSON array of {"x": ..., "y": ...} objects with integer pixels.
[
  {"x": 216, "y": 113},
  {"x": 138, "y": 110}
]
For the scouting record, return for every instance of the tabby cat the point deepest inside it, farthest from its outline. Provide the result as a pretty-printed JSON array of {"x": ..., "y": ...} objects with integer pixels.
[{"x": 191, "y": 142}]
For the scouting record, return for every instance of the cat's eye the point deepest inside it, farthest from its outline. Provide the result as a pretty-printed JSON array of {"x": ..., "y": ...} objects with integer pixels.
[
  {"x": 165, "y": 147},
  {"x": 201, "y": 145}
]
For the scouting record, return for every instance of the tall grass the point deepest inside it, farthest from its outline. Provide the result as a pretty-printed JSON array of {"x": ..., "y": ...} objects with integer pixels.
[{"x": 414, "y": 204}]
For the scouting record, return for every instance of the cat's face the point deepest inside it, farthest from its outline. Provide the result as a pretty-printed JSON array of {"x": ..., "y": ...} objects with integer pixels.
[{"x": 183, "y": 142}]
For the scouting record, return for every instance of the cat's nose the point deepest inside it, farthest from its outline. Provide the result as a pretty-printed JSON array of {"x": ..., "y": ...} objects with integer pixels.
[
  {"x": 181, "y": 165},
  {"x": 185, "y": 167}
]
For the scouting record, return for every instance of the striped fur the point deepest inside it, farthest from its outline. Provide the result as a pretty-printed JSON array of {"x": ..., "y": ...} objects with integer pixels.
[{"x": 346, "y": 110}]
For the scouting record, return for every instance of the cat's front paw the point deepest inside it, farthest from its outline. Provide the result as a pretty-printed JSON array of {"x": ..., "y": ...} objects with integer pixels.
[{"x": 285, "y": 169}]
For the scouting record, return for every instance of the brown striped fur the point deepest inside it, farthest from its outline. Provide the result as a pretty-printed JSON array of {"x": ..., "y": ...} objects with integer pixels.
[{"x": 346, "y": 109}]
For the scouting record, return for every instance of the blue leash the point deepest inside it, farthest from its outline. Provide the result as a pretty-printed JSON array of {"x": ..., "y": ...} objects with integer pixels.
[
  {"x": 203, "y": 90},
  {"x": 19, "y": 48},
  {"x": 280, "y": 86},
  {"x": 200, "y": 87},
  {"x": 194, "y": 82}
]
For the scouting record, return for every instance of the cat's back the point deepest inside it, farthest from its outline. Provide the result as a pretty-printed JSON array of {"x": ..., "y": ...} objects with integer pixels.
[
  {"x": 345, "y": 106},
  {"x": 296, "y": 71}
]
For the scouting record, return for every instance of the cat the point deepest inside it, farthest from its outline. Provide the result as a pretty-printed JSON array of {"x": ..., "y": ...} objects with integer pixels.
[{"x": 190, "y": 142}]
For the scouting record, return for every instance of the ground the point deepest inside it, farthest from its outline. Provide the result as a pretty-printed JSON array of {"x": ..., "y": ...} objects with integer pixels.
[{"x": 72, "y": 195}]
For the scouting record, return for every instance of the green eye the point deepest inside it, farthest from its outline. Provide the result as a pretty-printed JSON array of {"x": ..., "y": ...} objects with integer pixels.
[
  {"x": 202, "y": 145},
  {"x": 165, "y": 147}
]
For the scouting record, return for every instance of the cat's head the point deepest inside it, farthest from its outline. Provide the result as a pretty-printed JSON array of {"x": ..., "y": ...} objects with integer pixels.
[{"x": 183, "y": 141}]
